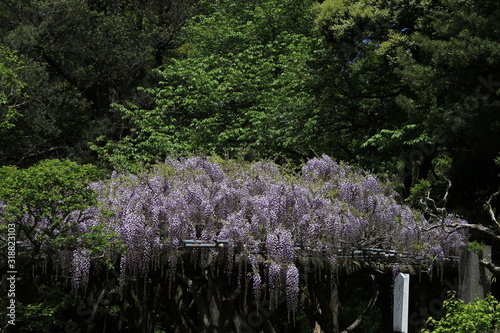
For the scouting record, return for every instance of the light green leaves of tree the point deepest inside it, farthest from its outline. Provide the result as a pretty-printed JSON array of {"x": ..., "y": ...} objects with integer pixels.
[
  {"x": 242, "y": 81},
  {"x": 480, "y": 316},
  {"x": 11, "y": 88},
  {"x": 42, "y": 200}
]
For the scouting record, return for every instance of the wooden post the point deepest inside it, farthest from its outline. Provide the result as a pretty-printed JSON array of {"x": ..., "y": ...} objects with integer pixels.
[{"x": 401, "y": 298}]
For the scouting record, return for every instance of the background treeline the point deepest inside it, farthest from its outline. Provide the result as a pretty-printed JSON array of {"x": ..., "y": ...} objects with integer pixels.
[
  {"x": 67, "y": 61},
  {"x": 404, "y": 88}
]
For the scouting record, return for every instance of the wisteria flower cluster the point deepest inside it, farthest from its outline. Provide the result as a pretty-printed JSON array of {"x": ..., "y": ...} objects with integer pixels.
[{"x": 262, "y": 211}]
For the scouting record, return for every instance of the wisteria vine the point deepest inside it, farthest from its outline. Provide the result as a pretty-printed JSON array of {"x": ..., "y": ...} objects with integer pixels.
[{"x": 263, "y": 211}]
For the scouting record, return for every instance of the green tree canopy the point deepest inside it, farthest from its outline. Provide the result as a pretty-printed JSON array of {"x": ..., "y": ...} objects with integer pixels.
[
  {"x": 243, "y": 79},
  {"x": 437, "y": 64}
]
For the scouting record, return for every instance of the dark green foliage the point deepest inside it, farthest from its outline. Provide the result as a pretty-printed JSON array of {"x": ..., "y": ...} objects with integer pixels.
[
  {"x": 79, "y": 58},
  {"x": 407, "y": 89},
  {"x": 397, "y": 87},
  {"x": 432, "y": 67}
]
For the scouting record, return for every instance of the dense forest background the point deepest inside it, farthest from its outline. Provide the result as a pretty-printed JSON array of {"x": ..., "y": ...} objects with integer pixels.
[{"x": 408, "y": 90}]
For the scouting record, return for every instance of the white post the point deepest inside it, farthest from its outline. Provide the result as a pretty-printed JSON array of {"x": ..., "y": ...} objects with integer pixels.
[{"x": 401, "y": 298}]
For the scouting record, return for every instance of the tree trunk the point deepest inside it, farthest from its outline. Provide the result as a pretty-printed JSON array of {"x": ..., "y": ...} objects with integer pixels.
[{"x": 329, "y": 305}]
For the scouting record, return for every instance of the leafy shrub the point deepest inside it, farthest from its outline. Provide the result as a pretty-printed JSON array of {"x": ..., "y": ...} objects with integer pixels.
[{"x": 480, "y": 316}]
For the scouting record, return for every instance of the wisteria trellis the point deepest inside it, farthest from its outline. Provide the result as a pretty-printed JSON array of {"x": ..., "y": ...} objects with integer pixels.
[{"x": 327, "y": 208}]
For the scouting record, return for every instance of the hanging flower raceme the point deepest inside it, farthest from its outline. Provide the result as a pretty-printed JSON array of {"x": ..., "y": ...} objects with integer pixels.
[{"x": 263, "y": 211}]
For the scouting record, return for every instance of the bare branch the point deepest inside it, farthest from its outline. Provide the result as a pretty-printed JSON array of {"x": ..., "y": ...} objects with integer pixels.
[
  {"x": 457, "y": 226},
  {"x": 438, "y": 213},
  {"x": 427, "y": 209},
  {"x": 434, "y": 212},
  {"x": 492, "y": 267},
  {"x": 491, "y": 211},
  {"x": 445, "y": 197}
]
